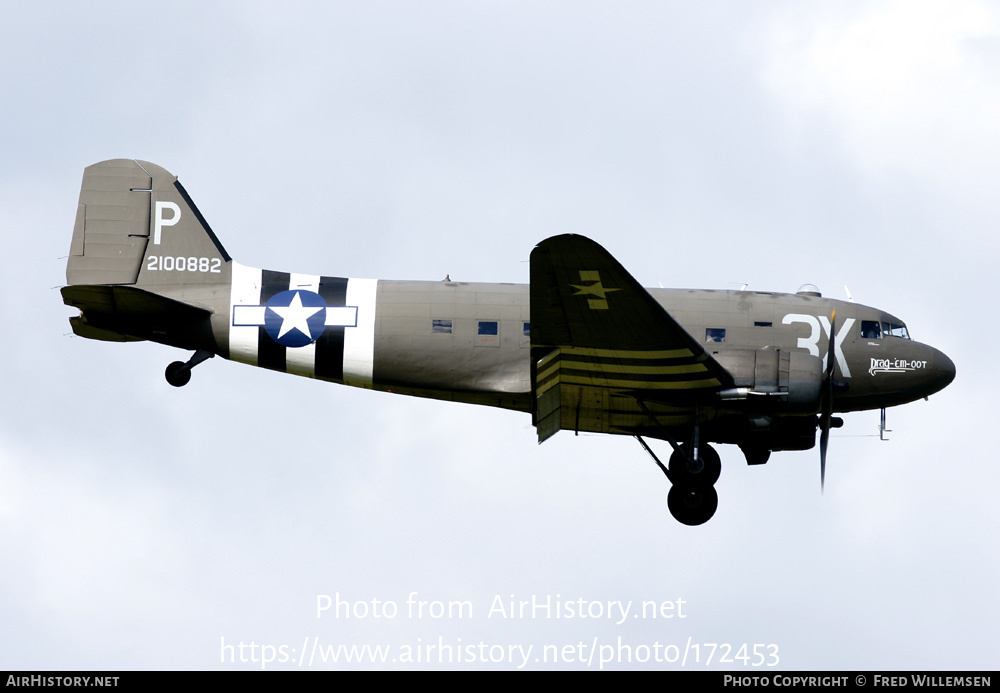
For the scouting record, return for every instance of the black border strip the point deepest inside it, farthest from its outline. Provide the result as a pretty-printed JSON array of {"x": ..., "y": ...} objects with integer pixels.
[
  {"x": 201, "y": 219},
  {"x": 330, "y": 345},
  {"x": 270, "y": 354}
]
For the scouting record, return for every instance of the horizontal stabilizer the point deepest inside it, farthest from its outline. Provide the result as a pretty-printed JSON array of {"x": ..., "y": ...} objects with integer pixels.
[
  {"x": 83, "y": 329},
  {"x": 107, "y": 310}
]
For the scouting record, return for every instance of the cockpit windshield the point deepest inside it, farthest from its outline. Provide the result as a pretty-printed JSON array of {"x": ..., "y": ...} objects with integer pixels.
[
  {"x": 895, "y": 330},
  {"x": 873, "y": 329}
]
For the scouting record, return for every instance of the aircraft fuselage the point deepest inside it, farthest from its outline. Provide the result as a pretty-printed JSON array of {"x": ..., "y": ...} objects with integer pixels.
[
  {"x": 470, "y": 342},
  {"x": 582, "y": 347}
]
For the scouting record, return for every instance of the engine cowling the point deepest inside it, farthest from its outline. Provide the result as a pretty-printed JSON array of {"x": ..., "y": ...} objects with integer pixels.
[{"x": 792, "y": 378}]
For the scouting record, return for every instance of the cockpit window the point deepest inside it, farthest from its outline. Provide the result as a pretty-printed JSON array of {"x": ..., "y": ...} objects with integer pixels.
[
  {"x": 871, "y": 329},
  {"x": 895, "y": 330}
]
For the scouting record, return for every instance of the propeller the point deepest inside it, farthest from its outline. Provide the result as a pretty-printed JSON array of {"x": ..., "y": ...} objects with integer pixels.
[{"x": 826, "y": 406}]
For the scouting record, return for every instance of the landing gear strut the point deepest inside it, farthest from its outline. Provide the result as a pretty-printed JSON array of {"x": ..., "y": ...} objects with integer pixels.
[
  {"x": 692, "y": 499},
  {"x": 178, "y": 373}
]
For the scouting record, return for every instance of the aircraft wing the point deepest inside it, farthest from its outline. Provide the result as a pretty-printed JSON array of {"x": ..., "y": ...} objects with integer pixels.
[{"x": 600, "y": 343}]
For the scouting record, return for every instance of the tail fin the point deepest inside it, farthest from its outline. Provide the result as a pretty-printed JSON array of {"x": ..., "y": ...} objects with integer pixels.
[
  {"x": 136, "y": 225},
  {"x": 143, "y": 263}
]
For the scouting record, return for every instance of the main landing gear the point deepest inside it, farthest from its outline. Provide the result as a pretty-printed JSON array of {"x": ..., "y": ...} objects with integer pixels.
[
  {"x": 178, "y": 373},
  {"x": 692, "y": 504},
  {"x": 693, "y": 470},
  {"x": 692, "y": 499}
]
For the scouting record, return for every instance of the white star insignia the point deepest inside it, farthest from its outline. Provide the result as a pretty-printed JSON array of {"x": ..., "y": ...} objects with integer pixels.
[{"x": 295, "y": 316}]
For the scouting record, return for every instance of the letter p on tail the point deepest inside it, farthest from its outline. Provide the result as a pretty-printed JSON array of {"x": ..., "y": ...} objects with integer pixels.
[{"x": 136, "y": 225}]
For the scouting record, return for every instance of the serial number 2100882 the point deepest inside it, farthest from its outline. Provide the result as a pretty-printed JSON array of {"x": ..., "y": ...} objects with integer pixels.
[{"x": 169, "y": 263}]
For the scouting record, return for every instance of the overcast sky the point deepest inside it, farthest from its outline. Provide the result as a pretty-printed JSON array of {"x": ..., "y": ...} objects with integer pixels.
[{"x": 704, "y": 144}]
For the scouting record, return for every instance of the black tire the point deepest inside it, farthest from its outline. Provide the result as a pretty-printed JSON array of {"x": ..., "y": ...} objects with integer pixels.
[
  {"x": 705, "y": 471},
  {"x": 692, "y": 505},
  {"x": 178, "y": 374}
]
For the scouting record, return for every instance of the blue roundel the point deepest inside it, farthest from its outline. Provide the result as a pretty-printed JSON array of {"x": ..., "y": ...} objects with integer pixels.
[{"x": 295, "y": 318}]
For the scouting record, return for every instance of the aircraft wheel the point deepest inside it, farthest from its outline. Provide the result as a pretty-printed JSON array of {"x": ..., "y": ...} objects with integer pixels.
[
  {"x": 178, "y": 374},
  {"x": 692, "y": 505},
  {"x": 705, "y": 470}
]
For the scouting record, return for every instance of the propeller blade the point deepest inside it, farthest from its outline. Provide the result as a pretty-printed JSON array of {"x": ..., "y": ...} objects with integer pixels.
[
  {"x": 826, "y": 411},
  {"x": 824, "y": 438},
  {"x": 830, "y": 356}
]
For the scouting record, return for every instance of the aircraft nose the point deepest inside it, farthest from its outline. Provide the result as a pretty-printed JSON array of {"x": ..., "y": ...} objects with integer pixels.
[
  {"x": 942, "y": 371},
  {"x": 945, "y": 368}
]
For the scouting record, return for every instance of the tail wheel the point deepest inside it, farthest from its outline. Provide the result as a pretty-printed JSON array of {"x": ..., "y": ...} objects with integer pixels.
[{"x": 178, "y": 374}]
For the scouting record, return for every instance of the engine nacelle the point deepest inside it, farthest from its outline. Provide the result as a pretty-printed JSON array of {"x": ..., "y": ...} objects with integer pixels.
[{"x": 792, "y": 377}]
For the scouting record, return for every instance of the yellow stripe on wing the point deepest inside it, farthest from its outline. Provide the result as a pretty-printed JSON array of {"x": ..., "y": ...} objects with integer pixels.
[
  {"x": 635, "y": 370},
  {"x": 597, "y": 381},
  {"x": 621, "y": 353}
]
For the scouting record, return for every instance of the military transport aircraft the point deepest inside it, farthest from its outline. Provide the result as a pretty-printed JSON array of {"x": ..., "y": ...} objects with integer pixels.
[{"x": 583, "y": 347}]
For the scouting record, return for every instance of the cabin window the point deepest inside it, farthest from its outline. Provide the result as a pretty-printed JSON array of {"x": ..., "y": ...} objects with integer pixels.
[
  {"x": 715, "y": 335},
  {"x": 488, "y": 333},
  {"x": 763, "y": 324},
  {"x": 870, "y": 329},
  {"x": 441, "y": 326},
  {"x": 894, "y": 330}
]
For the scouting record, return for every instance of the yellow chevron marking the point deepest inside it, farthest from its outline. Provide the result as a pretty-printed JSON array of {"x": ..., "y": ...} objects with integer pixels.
[
  {"x": 635, "y": 370},
  {"x": 546, "y": 387},
  {"x": 625, "y": 353},
  {"x": 547, "y": 372},
  {"x": 597, "y": 381}
]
